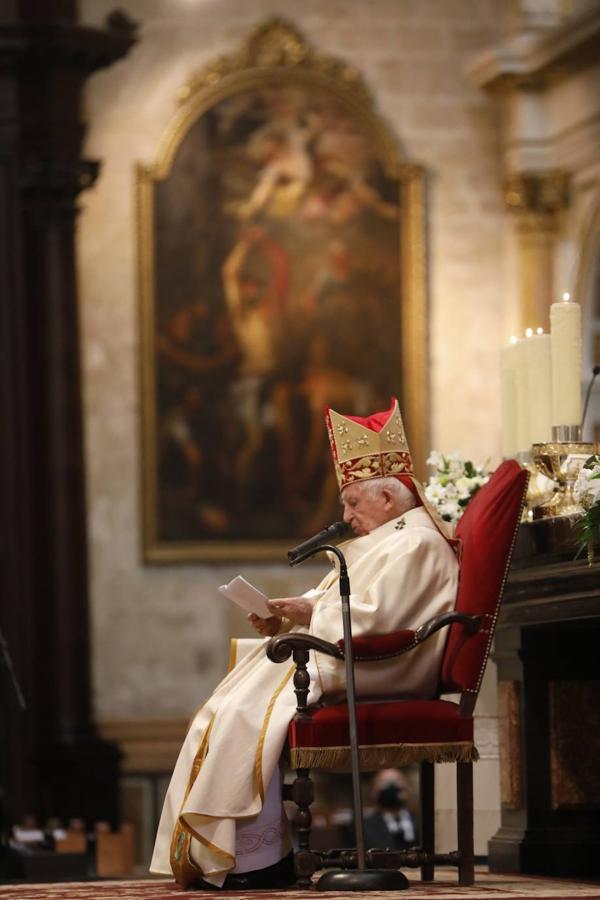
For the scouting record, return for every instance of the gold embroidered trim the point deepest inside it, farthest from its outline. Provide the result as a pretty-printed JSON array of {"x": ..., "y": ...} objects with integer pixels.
[
  {"x": 218, "y": 851},
  {"x": 183, "y": 866},
  {"x": 492, "y": 626},
  {"x": 374, "y": 467},
  {"x": 315, "y": 658},
  {"x": 381, "y": 756},
  {"x": 199, "y": 758},
  {"x": 263, "y": 734},
  {"x": 233, "y": 651}
]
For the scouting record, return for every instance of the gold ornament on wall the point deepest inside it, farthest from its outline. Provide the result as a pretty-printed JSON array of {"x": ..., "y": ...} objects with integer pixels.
[{"x": 276, "y": 44}]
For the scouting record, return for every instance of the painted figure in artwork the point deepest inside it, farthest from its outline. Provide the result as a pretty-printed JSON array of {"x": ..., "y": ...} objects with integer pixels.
[{"x": 276, "y": 218}]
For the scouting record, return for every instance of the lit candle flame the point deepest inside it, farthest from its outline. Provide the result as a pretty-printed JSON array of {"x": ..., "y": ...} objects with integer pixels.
[
  {"x": 539, "y": 331},
  {"x": 513, "y": 339},
  {"x": 528, "y": 332},
  {"x": 566, "y": 297}
]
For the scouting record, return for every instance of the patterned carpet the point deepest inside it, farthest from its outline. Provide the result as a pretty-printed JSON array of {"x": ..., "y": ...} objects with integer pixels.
[{"x": 487, "y": 887}]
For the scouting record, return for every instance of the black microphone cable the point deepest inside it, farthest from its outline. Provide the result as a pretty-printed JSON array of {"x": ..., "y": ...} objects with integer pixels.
[{"x": 595, "y": 372}]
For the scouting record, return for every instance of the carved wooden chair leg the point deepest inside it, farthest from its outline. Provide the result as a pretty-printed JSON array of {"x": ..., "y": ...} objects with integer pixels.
[
  {"x": 302, "y": 794},
  {"x": 427, "y": 792},
  {"x": 464, "y": 798}
]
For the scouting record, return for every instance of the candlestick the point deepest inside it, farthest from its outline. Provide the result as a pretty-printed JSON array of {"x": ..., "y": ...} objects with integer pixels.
[
  {"x": 508, "y": 385},
  {"x": 522, "y": 395},
  {"x": 565, "y": 326},
  {"x": 539, "y": 386}
]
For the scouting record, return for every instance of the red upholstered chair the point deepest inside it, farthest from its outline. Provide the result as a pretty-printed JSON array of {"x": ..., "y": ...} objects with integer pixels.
[{"x": 398, "y": 732}]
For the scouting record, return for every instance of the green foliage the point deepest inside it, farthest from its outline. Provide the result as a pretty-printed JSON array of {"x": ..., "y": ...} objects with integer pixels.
[{"x": 589, "y": 525}]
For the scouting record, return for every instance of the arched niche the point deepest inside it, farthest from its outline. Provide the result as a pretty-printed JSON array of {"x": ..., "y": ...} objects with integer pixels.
[{"x": 281, "y": 269}]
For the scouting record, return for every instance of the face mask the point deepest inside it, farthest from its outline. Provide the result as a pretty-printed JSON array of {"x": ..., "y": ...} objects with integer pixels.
[{"x": 391, "y": 797}]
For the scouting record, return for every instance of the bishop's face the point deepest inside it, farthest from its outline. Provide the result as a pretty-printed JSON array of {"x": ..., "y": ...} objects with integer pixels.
[{"x": 365, "y": 508}]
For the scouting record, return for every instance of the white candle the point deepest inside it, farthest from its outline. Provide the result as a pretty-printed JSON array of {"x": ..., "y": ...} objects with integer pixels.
[
  {"x": 539, "y": 386},
  {"x": 565, "y": 332},
  {"x": 522, "y": 395},
  {"x": 508, "y": 386}
]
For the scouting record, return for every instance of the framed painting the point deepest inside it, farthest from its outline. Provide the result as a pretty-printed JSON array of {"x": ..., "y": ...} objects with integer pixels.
[{"x": 281, "y": 272}]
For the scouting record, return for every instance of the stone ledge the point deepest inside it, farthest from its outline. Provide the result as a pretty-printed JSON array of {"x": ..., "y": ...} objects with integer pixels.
[{"x": 149, "y": 746}]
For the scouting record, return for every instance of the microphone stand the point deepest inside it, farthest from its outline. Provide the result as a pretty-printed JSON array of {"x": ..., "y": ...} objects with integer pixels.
[
  {"x": 595, "y": 372},
  {"x": 360, "y": 879}
]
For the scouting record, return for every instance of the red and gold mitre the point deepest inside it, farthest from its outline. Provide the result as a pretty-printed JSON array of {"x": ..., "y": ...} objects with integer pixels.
[
  {"x": 375, "y": 446},
  {"x": 368, "y": 447}
]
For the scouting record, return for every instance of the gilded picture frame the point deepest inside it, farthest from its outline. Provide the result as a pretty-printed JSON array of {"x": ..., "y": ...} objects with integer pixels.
[{"x": 281, "y": 270}]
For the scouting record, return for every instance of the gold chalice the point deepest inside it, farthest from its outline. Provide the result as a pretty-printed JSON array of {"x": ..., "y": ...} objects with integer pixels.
[{"x": 561, "y": 461}]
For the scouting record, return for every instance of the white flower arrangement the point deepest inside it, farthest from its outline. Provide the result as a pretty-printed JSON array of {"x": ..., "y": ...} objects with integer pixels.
[
  {"x": 453, "y": 484},
  {"x": 587, "y": 486},
  {"x": 586, "y": 491}
]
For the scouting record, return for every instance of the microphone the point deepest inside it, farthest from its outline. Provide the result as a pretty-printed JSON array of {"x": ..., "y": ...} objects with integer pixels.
[
  {"x": 338, "y": 529},
  {"x": 595, "y": 371}
]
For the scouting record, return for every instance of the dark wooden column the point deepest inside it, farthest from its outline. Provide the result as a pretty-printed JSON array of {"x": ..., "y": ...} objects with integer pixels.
[
  {"x": 52, "y": 760},
  {"x": 16, "y": 550}
]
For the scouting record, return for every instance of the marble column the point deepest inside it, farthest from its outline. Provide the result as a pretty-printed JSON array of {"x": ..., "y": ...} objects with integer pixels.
[{"x": 536, "y": 201}]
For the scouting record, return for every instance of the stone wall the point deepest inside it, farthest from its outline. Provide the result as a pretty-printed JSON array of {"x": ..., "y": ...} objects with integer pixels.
[
  {"x": 154, "y": 628},
  {"x": 160, "y": 633}
]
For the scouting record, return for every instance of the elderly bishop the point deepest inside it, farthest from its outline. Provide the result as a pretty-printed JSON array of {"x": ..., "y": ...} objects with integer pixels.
[{"x": 223, "y": 825}]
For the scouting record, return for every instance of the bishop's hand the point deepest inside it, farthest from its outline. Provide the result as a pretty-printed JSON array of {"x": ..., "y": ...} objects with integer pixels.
[
  {"x": 265, "y": 627},
  {"x": 297, "y": 609}
]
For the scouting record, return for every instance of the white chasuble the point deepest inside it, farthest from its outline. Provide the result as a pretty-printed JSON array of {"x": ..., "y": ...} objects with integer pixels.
[{"x": 401, "y": 574}]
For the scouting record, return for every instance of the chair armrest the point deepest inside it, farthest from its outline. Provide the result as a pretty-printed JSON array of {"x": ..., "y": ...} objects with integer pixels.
[
  {"x": 385, "y": 646},
  {"x": 282, "y": 646},
  {"x": 471, "y": 624}
]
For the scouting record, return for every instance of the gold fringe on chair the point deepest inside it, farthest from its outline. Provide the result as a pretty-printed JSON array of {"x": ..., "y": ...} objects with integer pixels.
[{"x": 381, "y": 756}]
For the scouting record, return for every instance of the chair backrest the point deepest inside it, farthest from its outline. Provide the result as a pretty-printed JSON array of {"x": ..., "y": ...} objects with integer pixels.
[{"x": 487, "y": 530}]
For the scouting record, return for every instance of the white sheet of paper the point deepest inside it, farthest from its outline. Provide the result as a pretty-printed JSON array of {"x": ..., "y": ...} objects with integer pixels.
[{"x": 247, "y": 596}]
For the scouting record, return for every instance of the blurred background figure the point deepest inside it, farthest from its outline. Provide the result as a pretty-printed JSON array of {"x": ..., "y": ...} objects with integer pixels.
[{"x": 391, "y": 825}]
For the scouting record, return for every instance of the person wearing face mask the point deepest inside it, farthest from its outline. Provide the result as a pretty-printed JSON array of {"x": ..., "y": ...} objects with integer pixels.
[
  {"x": 391, "y": 825},
  {"x": 223, "y": 825}
]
